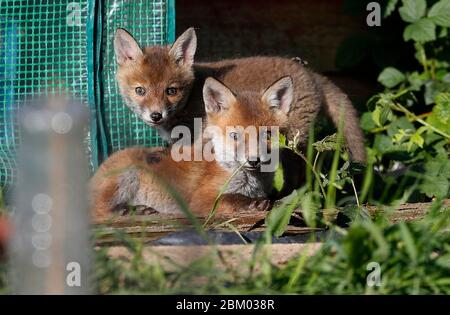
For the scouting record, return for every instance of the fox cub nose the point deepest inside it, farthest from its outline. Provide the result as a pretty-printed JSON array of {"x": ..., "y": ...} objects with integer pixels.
[
  {"x": 155, "y": 116},
  {"x": 254, "y": 162}
]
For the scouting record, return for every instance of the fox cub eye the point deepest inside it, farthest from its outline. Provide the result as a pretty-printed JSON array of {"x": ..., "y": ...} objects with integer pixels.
[
  {"x": 140, "y": 91},
  {"x": 234, "y": 135},
  {"x": 171, "y": 91}
]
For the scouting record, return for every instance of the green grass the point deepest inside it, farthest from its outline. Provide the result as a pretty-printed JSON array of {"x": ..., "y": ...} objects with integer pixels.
[{"x": 414, "y": 258}]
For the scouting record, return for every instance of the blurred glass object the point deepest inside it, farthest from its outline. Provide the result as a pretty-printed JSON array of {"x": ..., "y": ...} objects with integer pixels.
[{"x": 50, "y": 248}]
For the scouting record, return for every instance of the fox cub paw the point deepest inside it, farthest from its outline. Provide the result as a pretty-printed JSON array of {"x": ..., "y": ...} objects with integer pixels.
[
  {"x": 260, "y": 205},
  {"x": 155, "y": 157},
  {"x": 136, "y": 210}
]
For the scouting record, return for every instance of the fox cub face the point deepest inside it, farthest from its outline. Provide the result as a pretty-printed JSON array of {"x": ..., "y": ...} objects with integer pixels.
[
  {"x": 244, "y": 127},
  {"x": 156, "y": 81}
]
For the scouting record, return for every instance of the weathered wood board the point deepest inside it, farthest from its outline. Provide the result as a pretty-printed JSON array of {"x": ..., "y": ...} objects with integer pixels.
[
  {"x": 152, "y": 226},
  {"x": 229, "y": 257}
]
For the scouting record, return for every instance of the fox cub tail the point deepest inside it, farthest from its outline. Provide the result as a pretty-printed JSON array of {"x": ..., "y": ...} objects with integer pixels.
[{"x": 333, "y": 99}]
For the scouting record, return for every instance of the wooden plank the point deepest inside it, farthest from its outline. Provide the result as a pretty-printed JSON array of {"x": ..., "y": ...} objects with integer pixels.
[
  {"x": 228, "y": 257},
  {"x": 152, "y": 226}
]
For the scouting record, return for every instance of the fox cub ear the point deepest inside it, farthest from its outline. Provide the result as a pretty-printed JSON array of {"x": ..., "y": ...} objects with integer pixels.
[
  {"x": 217, "y": 96},
  {"x": 183, "y": 50},
  {"x": 280, "y": 94},
  {"x": 125, "y": 47}
]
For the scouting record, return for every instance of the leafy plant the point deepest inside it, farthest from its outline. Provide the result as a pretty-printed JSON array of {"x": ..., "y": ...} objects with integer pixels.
[
  {"x": 408, "y": 124},
  {"x": 413, "y": 259}
]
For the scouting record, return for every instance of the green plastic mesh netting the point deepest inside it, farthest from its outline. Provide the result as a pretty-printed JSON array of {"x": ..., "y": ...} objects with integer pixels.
[
  {"x": 40, "y": 54},
  {"x": 149, "y": 23},
  {"x": 65, "y": 47}
]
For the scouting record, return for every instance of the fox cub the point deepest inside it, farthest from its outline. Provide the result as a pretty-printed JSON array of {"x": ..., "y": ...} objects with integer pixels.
[
  {"x": 163, "y": 86},
  {"x": 148, "y": 176}
]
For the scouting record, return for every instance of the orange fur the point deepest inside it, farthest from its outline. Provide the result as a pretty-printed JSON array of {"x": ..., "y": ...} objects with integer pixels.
[{"x": 197, "y": 182}]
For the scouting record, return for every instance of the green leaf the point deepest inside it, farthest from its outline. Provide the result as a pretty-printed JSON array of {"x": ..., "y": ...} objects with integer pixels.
[
  {"x": 416, "y": 80},
  {"x": 435, "y": 187},
  {"x": 381, "y": 115},
  {"x": 391, "y": 77},
  {"x": 420, "y": 54},
  {"x": 278, "y": 218},
  {"x": 382, "y": 143},
  {"x": 281, "y": 143},
  {"x": 421, "y": 31},
  {"x": 311, "y": 205},
  {"x": 440, "y": 13},
  {"x": 400, "y": 136},
  {"x": 390, "y": 7},
  {"x": 436, "y": 122},
  {"x": 433, "y": 89},
  {"x": 444, "y": 261},
  {"x": 366, "y": 121},
  {"x": 439, "y": 165},
  {"x": 441, "y": 74},
  {"x": 376, "y": 114},
  {"x": 409, "y": 241},
  {"x": 355, "y": 213},
  {"x": 416, "y": 138},
  {"x": 443, "y": 32},
  {"x": 400, "y": 123},
  {"x": 436, "y": 177},
  {"x": 329, "y": 143},
  {"x": 377, "y": 235},
  {"x": 278, "y": 179},
  {"x": 343, "y": 171},
  {"x": 412, "y": 10},
  {"x": 442, "y": 107}
]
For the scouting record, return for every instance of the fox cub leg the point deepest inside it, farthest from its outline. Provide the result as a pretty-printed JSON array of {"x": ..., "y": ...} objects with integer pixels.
[
  {"x": 116, "y": 182},
  {"x": 202, "y": 204},
  {"x": 232, "y": 203}
]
